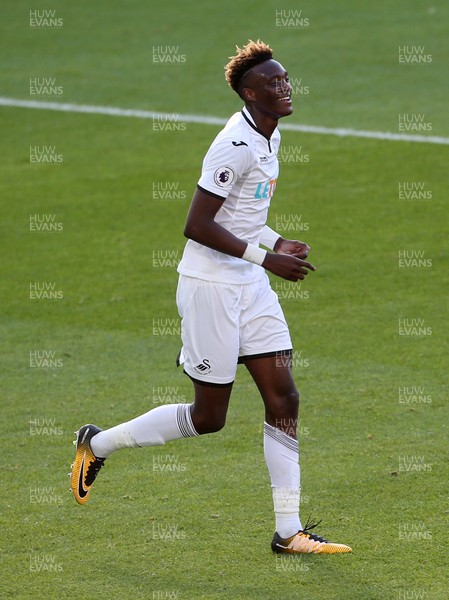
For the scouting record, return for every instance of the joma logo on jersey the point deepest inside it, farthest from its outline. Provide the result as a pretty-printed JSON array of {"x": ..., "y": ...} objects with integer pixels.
[{"x": 265, "y": 189}]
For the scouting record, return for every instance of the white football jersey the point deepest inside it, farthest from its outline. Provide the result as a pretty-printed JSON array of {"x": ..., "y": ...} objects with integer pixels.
[{"x": 240, "y": 168}]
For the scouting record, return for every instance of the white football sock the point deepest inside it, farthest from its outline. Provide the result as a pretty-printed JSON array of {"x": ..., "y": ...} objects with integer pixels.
[
  {"x": 154, "y": 428},
  {"x": 282, "y": 458}
]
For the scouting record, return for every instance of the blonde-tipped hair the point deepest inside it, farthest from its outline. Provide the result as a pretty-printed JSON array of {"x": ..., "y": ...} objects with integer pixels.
[{"x": 252, "y": 54}]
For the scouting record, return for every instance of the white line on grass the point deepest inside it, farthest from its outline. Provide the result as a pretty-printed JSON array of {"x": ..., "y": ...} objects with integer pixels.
[{"x": 203, "y": 119}]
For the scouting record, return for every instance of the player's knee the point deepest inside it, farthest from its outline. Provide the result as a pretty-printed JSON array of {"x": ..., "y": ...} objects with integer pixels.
[
  {"x": 209, "y": 410},
  {"x": 209, "y": 423},
  {"x": 210, "y": 419},
  {"x": 292, "y": 400},
  {"x": 285, "y": 406}
]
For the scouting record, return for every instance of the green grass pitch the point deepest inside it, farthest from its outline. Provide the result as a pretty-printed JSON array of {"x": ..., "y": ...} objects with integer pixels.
[{"x": 193, "y": 519}]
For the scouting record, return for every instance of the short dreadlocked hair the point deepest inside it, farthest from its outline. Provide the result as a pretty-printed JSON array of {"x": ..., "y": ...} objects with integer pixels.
[{"x": 246, "y": 58}]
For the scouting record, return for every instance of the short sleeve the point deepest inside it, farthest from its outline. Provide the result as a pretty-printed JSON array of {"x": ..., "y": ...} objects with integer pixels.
[{"x": 224, "y": 164}]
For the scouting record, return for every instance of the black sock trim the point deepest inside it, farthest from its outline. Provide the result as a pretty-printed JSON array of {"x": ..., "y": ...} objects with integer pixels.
[
  {"x": 280, "y": 436},
  {"x": 184, "y": 421}
]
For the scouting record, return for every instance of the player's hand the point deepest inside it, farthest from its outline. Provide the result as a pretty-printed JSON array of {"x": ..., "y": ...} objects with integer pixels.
[
  {"x": 293, "y": 247},
  {"x": 287, "y": 266}
]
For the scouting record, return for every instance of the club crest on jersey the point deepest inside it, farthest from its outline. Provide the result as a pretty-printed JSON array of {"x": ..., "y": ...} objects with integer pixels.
[{"x": 224, "y": 176}]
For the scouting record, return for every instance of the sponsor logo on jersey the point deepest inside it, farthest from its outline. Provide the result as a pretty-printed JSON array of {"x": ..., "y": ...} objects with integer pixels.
[
  {"x": 265, "y": 190},
  {"x": 224, "y": 176},
  {"x": 241, "y": 143}
]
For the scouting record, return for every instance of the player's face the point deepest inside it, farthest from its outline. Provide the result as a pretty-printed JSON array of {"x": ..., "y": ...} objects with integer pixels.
[{"x": 272, "y": 89}]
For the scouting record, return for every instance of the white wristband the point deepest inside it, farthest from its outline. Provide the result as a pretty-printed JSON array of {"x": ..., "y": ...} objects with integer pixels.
[
  {"x": 254, "y": 254},
  {"x": 269, "y": 237}
]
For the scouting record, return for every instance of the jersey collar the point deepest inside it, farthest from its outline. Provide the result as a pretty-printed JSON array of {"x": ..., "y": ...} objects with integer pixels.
[{"x": 248, "y": 118}]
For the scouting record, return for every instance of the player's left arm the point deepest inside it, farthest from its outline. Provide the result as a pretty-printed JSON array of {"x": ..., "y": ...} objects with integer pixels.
[
  {"x": 272, "y": 240},
  {"x": 293, "y": 247}
]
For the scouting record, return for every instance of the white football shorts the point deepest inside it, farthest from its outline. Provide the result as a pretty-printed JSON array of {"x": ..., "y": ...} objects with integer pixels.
[{"x": 223, "y": 324}]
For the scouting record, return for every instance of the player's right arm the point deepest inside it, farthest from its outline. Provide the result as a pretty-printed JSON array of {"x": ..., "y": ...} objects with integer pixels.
[{"x": 201, "y": 227}]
